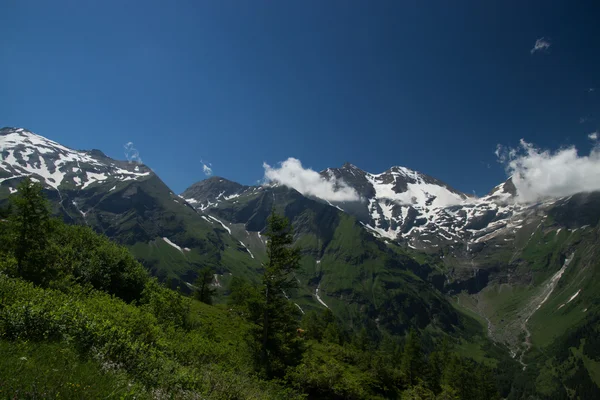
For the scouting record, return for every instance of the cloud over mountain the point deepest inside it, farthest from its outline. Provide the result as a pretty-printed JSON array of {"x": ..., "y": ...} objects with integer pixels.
[
  {"x": 291, "y": 173},
  {"x": 539, "y": 174}
]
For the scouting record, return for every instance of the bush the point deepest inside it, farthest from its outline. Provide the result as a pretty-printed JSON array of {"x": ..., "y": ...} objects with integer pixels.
[{"x": 93, "y": 259}]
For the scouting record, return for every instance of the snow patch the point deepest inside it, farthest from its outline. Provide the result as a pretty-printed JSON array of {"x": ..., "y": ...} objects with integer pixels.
[
  {"x": 172, "y": 244},
  {"x": 319, "y": 298},
  {"x": 222, "y": 224},
  {"x": 247, "y": 249}
]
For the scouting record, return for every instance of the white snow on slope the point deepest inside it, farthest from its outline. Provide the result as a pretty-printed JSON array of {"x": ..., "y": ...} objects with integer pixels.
[
  {"x": 570, "y": 299},
  {"x": 247, "y": 249},
  {"x": 52, "y": 161},
  {"x": 300, "y": 308},
  {"x": 93, "y": 178},
  {"x": 319, "y": 298},
  {"x": 417, "y": 193},
  {"x": 573, "y": 297},
  {"x": 173, "y": 244},
  {"x": 222, "y": 224}
]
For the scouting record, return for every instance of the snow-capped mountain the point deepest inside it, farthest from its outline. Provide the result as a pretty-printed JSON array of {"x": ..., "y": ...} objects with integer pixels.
[
  {"x": 405, "y": 206},
  {"x": 24, "y": 153},
  {"x": 210, "y": 192},
  {"x": 126, "y": 201},
  {"x": 422, "y": 211}
]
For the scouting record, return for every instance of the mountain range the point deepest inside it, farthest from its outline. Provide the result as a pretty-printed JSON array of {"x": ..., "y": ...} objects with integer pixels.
[{"x": 410, "y": 251}]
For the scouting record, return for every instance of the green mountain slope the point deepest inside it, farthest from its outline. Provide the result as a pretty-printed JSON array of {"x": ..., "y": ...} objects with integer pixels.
[
  {"x": 126, "y": 201},
  {"x": 541, "y": 297},
  {"x": 365, "y": 281}
]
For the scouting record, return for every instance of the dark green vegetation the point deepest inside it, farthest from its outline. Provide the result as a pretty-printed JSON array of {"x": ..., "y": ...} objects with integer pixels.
[
  {"x": 115, "y": 332},
  {"x": 360, "y": 278}
]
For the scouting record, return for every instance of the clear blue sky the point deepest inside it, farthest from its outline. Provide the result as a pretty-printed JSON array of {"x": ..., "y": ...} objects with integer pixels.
[{"x": 236, "y": 83}]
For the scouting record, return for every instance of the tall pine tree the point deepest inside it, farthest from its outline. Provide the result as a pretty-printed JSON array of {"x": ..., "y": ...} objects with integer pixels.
[
  {"x": 30, "y": 227},
  {"x": 412, "y": 364},
  {"x": 276, "y": 343}
]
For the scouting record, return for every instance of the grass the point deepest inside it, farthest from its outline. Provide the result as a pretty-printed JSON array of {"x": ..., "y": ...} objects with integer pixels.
[{"x": 55, "y": 370}]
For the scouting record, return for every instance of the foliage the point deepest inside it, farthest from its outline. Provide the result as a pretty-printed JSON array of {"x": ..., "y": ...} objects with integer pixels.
[
  {"x": 49, "y": 253},
  {"x": 203, "y": 292},
  {"x": 167, "y": 305},
  {"x": 56, "y": 370},
  {"x": 274, "y": 340},
  {"x": 28, "y": 238}
]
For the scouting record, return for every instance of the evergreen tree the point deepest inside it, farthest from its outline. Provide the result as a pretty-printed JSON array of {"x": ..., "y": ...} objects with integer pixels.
[
  {"x": 412, "y": 364},
  {"x": 314, "y": 323},
  {"x": 30, "y": 227},
  {"x": 204, "y": 292},
  {"x": 486, "y": 384},
  {"x": 362, "y": 339},
  {"x": 5, "y": 211},
  {"x": 437, "y": 364},
  {"x": 276, "y": 343},
  {"x": 418, "y": 392},
  {"x": 447, "y": 393},
  {"x": 333, "y": 333}
]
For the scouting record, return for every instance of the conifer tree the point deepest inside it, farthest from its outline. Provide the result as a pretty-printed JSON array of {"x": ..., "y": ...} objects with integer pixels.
[
  {"x": 204, "y": 292},
  {"x": 277, "y": 345},
  {"x": 29, "y": 232},
  {"x": 412, "y": 364}
]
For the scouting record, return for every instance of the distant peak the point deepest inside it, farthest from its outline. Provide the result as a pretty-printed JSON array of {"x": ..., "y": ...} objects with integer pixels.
[
  {"x": 398, "y": 168},
  {"x": 97, "y": 153},
  {"x": 348, "y": 165},
  {"x": 217, "y": 179}
]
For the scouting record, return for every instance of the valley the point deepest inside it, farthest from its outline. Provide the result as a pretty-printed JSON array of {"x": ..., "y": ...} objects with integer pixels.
[{"x": 494, "y": 274}]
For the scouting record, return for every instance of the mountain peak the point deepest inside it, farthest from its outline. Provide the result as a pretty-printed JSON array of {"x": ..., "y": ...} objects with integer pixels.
[
  {"x": 503, "y": 192},
  {"x": 348, "y": 165},
  {"x": 25, "y": 153},
  {"x": 210, "y": 191}
]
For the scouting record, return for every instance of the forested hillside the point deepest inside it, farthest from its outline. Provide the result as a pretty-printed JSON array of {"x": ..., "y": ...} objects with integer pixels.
[{"x": 81, "y": 318}]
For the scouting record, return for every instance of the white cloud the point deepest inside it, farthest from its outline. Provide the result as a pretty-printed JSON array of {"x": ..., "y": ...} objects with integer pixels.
[
  {"x": 309, "y": 182},
  {"x": 539, "y": 174},
  {"x": 131, "y": 153},
  {"x": 542, "y": 44},
  {"x": 591, "y": 89},
  {"x": 593, "y": 136},
  {"x": 206, "y": 168}
]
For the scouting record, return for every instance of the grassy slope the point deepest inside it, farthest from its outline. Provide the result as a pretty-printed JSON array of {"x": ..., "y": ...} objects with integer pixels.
[
  {"x": 364, "y": 280},
  {"x": 55, "y": 370},
  {"x": 97, "y": 335}
]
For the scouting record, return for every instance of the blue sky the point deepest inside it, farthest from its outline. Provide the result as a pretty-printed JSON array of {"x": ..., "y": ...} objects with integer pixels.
[{"x": 237, "y": 83}]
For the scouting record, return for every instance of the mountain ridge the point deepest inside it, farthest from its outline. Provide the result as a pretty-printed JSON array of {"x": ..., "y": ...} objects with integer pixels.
[{"x": 413, "y": 253}]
